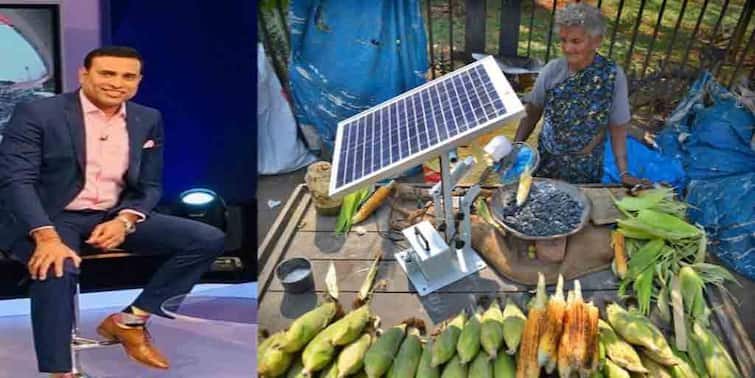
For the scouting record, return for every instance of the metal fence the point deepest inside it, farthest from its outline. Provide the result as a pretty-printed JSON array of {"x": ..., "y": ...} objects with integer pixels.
[{"x": 666, "y": 37}]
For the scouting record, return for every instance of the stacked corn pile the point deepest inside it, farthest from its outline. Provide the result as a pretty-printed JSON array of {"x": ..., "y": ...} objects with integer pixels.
[{"x": 557, "y": 333}]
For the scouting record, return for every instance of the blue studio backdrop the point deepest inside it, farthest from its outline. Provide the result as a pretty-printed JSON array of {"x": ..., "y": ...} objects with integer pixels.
[{"x": 200, "y": 73}]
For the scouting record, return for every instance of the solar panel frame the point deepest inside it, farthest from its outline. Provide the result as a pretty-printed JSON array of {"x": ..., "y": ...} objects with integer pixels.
[{"x": 514, "y": 110}]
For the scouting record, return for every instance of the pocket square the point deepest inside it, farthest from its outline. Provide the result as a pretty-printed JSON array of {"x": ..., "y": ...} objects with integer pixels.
[{"x": 149, "y": 144}]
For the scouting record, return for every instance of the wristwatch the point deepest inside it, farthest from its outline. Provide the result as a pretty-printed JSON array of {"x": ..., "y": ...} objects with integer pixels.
[{"x": 130, "y": 226}]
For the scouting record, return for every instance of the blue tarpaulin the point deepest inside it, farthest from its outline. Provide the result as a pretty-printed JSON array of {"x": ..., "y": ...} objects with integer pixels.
[
  {"x": 349, "y": 55},
  {"x": 710, "y": 133},
  {"x": 643, "y": 162}
]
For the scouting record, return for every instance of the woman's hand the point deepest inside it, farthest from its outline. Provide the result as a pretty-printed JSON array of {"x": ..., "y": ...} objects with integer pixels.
[{"x": 631, "y": 181}]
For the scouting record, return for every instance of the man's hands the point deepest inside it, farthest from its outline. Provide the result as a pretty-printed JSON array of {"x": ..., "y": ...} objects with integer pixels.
[
  {"x": 108, "y": 235},
  {"x": 49, "y": 251}
]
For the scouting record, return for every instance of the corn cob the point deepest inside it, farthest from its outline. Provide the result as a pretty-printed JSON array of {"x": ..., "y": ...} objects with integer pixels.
[
  {"x": 406, "y": 361},
  {"x": 683, "y": 369},
  {"x": 696, "y": 357},
  {"x": 638, "y": 330},
  {"x": 614, "y": 371},
  {"x": 469, "y": 340},
  {"x": 527, "y": 365},
  {"x": 296, "y": 370},
  {"x": 425, "y": 368},
  {"x": 691, "y": 287},
  {"x": 590, "y": 361},
  {"x": 307, "y": 326},
  {"x": 351, "y": 358},
  {"x": 619, "y": 351},
  {"x": 504, "y": 367},
  {"x": 320, "y": 351},
  {"x": 491, "y": 331},
  {"x": 380, "y": 355},
  {"x": 330, "y": 372},
  {"x": 454, "y": 369},
  {"x": 717, "y": 360},
  {"x": 355, "y": 323},
  {"x": 547, "y": 351},
  {"x": 275, "y": 362},
  {"x": 564, "y": 344},
  {"x": 265, "y": 344},
  {"x": 572, "y": 349},
  {"x": 513, "y": 326},
  {"x": 481, "y": 367},
  {"x": 445, "y": 345},
  {"x": 655, "y": 370},
  {"x": 619, "y": 256}
]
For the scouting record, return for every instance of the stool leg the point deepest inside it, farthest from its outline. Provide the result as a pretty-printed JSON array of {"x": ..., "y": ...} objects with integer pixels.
[{"x": 75, "y": 362}]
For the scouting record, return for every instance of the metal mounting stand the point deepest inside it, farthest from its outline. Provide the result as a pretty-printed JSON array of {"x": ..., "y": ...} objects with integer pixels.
[{"x": 435, "y": 261}]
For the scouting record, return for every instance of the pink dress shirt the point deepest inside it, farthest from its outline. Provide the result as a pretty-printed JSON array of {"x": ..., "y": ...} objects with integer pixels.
[{"x": 106, "y": 158}]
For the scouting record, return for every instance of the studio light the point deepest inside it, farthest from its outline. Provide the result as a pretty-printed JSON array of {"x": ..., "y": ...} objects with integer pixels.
[{"x": 203, "y": 205}]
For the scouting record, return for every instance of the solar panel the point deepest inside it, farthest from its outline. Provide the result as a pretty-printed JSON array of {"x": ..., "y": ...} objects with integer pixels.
[{"x": 420, "y": 124}]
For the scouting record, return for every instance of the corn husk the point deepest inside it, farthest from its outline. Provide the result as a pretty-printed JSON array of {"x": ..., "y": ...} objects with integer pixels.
[
  {"x": 265, "y": 344},
  {"x": 513, "y": 326},
  {"x": 425, "y": 369},
  {"x": 330, "y": 372},
  {"x": 618, "y": 350},
  {"x": 717, "y": 360},
  {"x": 444, "y": 347},
  {"x": 504, "y": 366},
  {"x": 379, "y": 357},
  {"x": 409, "y": 354},
  {"x": 469, "y": 340},
  {"x": 320, "y": 351},
  {"x": 274, "y": 362},
  {"x": 307, "y": 326},
  {"x": 351, "y": 358},
  {"x": 454, "y": 369},
  {"x": 638, "y": 330},
  {"x": 296, "y": 370},
  {"x": 655, "y": 370},
  {"x": 613, "y": 370},
  {"x": 481, "y": 366},
  {"x": 491, "y": 332}
]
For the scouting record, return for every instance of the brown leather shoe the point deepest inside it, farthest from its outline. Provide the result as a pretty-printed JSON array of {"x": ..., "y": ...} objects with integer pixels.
[{"x": 136, "y": 342}]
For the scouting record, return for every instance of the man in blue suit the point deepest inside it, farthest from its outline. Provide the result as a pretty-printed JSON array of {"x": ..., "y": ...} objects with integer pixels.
[{"x": 86, "y": 168}]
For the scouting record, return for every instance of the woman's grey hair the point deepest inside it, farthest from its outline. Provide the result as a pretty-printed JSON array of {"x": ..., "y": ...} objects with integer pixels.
[{"x": 584, "y": 15}]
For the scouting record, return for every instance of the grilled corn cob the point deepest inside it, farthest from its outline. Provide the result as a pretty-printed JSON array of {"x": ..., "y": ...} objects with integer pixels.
[
  {"x": 491, "y": 332},
  {"x": 527, "y": 365},
  {"x": 513, "y": 326},
  {"x": 307, "y": 326},
  {"x": 406, "y": 361},
  {"x": 425, "y": 368},
  {"x": 590, "y": 361},
  {"x": 445, "y": 344},
  {"x": 379, "y": 357},
  {"x": 481, "y": 366},
  {"x": 547, "y": 351},
  {"x": 638, "y": 330},
  {"x": 618, "y": 350},
  {"x": 469, "y": 340},
  {"x": 351, "y": 358}
]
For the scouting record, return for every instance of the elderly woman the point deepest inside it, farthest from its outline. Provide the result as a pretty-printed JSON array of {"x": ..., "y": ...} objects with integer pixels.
[{"x": 580, "y": 96}]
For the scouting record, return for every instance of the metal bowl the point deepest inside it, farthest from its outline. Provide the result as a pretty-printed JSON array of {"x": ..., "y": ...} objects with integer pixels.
[{"x": 498, "y": 199}]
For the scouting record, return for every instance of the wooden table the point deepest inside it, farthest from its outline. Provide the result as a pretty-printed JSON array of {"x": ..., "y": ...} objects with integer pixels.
[{"x": 300, "y": 232}]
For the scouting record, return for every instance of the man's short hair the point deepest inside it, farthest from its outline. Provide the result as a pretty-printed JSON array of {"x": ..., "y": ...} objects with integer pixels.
[{"x": 116, "y": 51}]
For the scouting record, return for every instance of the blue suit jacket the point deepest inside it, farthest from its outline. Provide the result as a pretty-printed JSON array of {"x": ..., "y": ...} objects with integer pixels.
[{"x": 42, "y": 157}]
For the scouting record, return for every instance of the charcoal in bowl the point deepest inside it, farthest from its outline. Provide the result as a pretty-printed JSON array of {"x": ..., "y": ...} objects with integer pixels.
[{"x": 547, "y": 211}]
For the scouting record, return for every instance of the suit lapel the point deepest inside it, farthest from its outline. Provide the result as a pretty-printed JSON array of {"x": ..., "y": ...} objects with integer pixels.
[
  {"x": 134, "y": 140},
  {"x": 75, "y": 121}
]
